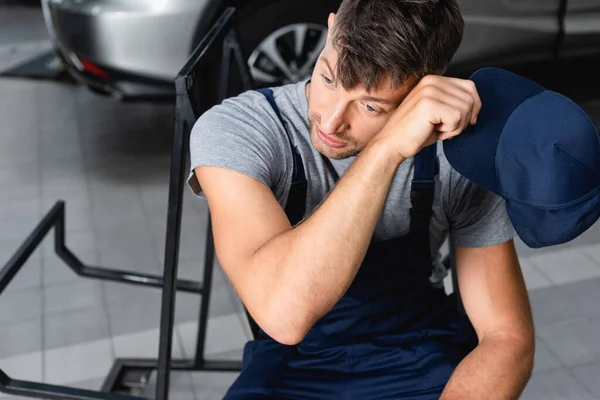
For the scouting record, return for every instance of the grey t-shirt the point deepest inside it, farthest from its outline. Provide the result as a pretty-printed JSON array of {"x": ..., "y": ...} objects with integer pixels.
[{"x": 244, "y": 134}]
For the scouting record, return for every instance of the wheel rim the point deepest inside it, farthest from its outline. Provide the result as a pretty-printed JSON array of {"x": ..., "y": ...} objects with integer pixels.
[{"x": 287, "y": 55}]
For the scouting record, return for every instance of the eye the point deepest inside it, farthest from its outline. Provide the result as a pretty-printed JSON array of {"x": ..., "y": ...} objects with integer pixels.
[
  {"x": 371, "y": 110},
  {"x": 327, "y": 80}
]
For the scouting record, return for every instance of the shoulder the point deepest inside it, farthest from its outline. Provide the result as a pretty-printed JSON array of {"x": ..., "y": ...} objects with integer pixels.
[
  {"x": 247, "y": 110},
  {"x": 243, "y": 133},
  {"x": 246, "y": 123}
]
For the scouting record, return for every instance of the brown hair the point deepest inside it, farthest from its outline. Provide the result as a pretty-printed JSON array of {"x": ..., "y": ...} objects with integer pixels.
[{"x": 378, "y": 40}]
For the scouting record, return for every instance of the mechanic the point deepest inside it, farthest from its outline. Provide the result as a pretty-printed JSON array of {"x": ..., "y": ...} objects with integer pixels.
[{"x": 330, "y": 200}]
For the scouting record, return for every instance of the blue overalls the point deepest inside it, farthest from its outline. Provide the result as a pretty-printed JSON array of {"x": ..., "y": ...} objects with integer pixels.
[{"x": 391, "y": 336}]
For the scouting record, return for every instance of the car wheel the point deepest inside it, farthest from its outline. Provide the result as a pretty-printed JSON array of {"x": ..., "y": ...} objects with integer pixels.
[{"x": 281, "y": 39}]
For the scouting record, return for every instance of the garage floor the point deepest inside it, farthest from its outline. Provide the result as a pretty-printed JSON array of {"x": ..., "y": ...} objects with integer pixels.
[{"x": 110, "y": 162}]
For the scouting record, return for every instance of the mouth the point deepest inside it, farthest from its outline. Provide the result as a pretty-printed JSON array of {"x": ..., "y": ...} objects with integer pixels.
[{"x": 328, "y": 140}]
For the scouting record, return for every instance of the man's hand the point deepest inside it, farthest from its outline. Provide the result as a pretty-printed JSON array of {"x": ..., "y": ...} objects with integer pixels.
[{"x": 437, "y": 108}]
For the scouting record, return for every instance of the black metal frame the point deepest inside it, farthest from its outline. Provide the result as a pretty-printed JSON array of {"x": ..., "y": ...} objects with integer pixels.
[
  {"x": 220, "y": 43},
  {"x": 55, "y": 218}
]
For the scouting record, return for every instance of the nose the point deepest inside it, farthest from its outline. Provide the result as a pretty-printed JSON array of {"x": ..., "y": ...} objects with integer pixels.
[{"x": 333, "y": 119}]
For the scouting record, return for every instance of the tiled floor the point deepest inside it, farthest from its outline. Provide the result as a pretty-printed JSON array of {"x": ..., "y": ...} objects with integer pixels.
[{"x": 110, "y": 163}]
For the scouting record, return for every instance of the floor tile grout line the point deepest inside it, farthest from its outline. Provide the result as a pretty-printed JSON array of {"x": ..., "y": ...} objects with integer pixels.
[
  {"x": 46, "y": 315},
  {"x": 73, "y": 310},
  {"x": 541, "y": 271},
  {"x": 103, "y": 302},
  {"x": 551, "y": 351},
  {"x": 43, "y": 333},
  {"x": 145, "y": 217},
  {"x": 581, "y": 384},
  {"x": 192, "y": 386},
  {"x": 590, "y": 258},
  {"x": 124, "y": 335},
  {"x": 177, "y": 334},
  {"x": 585, "y": 364},
  {"x": 551, "y": 283},
  {"x": 40, "y": 213},
  {"x": 93, "y": 227}
]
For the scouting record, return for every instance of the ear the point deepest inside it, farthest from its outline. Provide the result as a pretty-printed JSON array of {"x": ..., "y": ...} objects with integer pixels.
[{"x": 330, "y": 20}]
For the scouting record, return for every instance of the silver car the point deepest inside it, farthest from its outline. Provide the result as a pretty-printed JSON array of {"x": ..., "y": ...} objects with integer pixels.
[{"x": 133, "y": 49}]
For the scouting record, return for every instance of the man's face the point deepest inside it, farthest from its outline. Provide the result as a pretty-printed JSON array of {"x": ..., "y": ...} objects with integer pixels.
[{"x": 343, "y": 122}]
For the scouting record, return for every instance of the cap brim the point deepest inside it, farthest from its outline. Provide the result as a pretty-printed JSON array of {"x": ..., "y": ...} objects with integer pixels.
[
  {"x": 554, "y": 226},
  {"x": 472, "y": 153}
]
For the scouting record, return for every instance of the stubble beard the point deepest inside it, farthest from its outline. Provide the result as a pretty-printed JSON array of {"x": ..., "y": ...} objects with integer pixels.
[{"x": 336, "y": 154}]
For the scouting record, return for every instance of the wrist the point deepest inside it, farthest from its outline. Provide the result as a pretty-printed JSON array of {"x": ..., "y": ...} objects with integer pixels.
[{"x": 382, "y": 150}]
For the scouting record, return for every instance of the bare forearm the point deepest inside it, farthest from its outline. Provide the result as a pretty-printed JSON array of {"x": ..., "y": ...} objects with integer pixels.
[
  {"x": 308, "y": 268},
  {"x": 498, "y": 368}
]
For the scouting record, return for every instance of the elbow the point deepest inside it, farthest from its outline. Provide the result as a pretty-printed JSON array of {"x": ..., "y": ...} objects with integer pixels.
[
  {"x": 525, "y": 362},
  {"x": 286, "y": 331},
  {"x": 285, "y": 327},
  {"x": 522, "y": 350},
  {"x": 288, "y": 337},
  {"x": 528, "y": 358},
  {"x": 527, "y": 350}
]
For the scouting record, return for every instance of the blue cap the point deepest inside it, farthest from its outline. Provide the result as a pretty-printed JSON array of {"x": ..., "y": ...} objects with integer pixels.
[{"x": 538, "y": 150}]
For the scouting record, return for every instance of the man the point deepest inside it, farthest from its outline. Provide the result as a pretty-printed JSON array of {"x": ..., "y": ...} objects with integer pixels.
[{"x": 348, "y": 295}]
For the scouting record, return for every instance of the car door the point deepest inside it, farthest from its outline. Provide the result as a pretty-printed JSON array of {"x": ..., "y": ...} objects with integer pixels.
[
  {"x": 582, "y": 28},
  {"x": 504, "y": 32}
]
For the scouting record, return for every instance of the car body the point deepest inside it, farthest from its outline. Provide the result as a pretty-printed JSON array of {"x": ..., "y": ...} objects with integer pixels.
[{"x": 133, "y": 49}]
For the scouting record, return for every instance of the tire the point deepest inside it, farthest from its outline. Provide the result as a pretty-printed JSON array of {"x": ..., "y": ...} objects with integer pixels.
[{"x": 262, "y": 19}]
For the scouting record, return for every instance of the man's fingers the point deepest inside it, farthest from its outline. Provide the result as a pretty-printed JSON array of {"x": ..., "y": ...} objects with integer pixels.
[
  {"x": 460, "y": 102},
  {"x": 469, "y": 86},
  {"x": 461, "y": 88},
  {"x": 453, "y": 119},
  {"x": 450, "y": 104},
  {"x": 449, "y": 134}
]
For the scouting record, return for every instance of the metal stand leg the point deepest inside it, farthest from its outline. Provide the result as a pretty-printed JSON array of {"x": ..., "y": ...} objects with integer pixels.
[
  {"x": 171, "y": 258},
  {"x": 186, "y": 115}
]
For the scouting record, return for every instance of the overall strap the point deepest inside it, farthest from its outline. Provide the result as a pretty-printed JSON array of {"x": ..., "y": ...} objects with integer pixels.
[
  {"x": 296, "y": 203},
  {"x": 422, "y": 191}
]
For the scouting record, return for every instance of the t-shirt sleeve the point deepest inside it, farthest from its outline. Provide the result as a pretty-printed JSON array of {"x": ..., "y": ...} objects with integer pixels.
[
  {"x": 477, "y": 217},
  {"x": 238, "y": 134}
]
